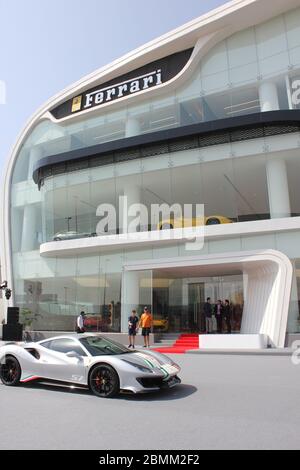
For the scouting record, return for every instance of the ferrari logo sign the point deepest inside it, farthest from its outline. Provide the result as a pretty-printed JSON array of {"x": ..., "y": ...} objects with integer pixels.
[
  {"x": 120, "y": 90},
  {"x": 138, "y": 81}
]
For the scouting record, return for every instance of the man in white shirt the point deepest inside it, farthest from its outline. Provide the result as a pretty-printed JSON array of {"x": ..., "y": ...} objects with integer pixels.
[{"x": 80, "y": 323}]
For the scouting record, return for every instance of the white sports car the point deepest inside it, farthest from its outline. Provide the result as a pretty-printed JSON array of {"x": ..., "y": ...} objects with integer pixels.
[{"x": 89, "y": 361}]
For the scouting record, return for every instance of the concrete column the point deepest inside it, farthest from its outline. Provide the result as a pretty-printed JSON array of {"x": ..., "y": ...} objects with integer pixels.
[
  {"x": 268, "y": 97},
  {"x": 29, "y": 233},
  {"x": 133, "y": 127},
  {"x": 34, "y": 157},
  {"x": 130, "y": 296},
  {"x": 278, "y": 188}
]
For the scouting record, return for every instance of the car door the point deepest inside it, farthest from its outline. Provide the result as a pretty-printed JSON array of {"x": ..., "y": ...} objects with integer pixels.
[{"x": 58, "y": 366}]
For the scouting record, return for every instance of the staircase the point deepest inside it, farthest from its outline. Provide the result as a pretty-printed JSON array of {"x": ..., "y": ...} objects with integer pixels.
[
  {"x": 163, "y": 340},
  {"x": 183, "y": 343}
]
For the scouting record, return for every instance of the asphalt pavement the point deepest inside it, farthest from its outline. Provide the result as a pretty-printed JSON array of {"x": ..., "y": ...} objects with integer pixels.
[{"x": 224, "y": 402}]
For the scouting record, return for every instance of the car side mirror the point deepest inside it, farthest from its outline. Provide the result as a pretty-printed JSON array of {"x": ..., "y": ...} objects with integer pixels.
[{"x": 74, "y": 354}]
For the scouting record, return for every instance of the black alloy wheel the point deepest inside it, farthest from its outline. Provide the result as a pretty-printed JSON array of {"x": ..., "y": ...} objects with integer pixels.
[
  {"x": 104, "y": 381},
  {"x": 10, "y": 371}
]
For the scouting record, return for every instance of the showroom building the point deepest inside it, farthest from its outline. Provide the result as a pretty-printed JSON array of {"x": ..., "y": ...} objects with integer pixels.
[{"x": 208, "y": 114}]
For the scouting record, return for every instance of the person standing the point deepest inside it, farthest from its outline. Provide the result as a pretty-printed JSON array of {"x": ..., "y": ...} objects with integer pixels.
[
  {"x": 227, "y": 315},
  {"x": 80, "y": 323},
  {"x": 219, "y": 309},
  {"x": 133, "y": 322},
  {"x": 146, "y": 323},
  {"x": 208, "y": 315}
]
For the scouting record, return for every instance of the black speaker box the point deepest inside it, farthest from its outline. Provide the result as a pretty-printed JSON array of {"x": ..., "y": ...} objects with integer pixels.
[
  {"x": 12, "y": 332},
  {"x": 13, "y": 315}
]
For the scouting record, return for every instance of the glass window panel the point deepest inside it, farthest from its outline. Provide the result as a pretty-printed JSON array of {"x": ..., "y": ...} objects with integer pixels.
[
  {"x": 241, "y": 48},
  {"x": 64, "y": 289},
  {"x": 47, "y": 209},
  {"x": 163, "y": 117},
  {"x": 192, "y": 111},
  {"x": 251, "y": 199},
  {"x": 103, "y": 191},
  {"x": 216, "y": 106},
  {"x": 218, "y": 192},
  {"x": 89, "y": 287},
  {"x": 62, "y": 218},
  {"x": 213, "y": 83},
  {"x": 295, "y": 56},
  {"x": 191, "y": 89},
  {"x": 215, "y": 61},
  {"x": 246, "y": 74},
  {"x": 243, "y": 101},
  {"x": 271, "y": 38},
  {"x": 276, "y": 64},
  {"x": 17, "y": 222},
  {"x": 157, "y": 189},
  {"x": 129, "y": 185},
  {"x": 292, "y": 20},
  {"x": 21, "y": 168},
  {"x": 139, "y": 109}
]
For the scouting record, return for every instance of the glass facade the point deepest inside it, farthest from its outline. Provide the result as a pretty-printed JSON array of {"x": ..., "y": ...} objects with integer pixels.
[
  {"x": 69, "y": 202},
  {"x": 238, "y": 181},
  {"x": 178, "y": 301}
]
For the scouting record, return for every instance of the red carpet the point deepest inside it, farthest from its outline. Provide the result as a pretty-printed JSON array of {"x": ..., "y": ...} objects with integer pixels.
[{"x": 184, "y": 343}]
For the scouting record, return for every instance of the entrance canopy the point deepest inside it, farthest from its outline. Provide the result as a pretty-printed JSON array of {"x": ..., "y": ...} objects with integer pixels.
[{"x": 267, "y": 278}]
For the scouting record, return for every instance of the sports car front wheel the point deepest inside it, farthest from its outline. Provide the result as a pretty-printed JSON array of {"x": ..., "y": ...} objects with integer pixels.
[
  {"x": 10, "y": 371},
  {"x": 104, "y": 381}
]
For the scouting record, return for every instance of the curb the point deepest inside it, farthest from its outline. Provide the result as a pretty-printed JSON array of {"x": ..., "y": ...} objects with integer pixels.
[{"x": 243, "y": 352}]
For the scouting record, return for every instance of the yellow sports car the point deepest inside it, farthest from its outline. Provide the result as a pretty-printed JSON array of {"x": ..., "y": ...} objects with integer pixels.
[
  {"x": 161, "y": 324},
  {"x": 194, "y": 222}
]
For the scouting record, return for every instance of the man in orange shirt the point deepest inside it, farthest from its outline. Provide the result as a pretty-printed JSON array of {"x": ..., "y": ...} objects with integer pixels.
[{"x": 146, "y": 323}]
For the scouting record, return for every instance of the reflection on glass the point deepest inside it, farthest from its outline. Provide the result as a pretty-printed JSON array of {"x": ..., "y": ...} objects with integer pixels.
[{"x": 178, "y": 301}]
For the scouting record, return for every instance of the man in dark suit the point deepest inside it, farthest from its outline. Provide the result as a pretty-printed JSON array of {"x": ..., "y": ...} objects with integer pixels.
[
  {"x": 208, "y": 315},
  {"x": 227, "y": 315},
  {"x": 219, "y": 309}
]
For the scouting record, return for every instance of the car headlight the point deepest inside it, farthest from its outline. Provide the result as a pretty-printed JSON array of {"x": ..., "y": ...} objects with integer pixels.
[{"x": 138, "y": 366}]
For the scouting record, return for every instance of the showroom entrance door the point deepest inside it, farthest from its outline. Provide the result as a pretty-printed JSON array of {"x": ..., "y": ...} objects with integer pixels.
[
  {"x": 196, "y": 298},
  {"x": 179, "y": 295}
]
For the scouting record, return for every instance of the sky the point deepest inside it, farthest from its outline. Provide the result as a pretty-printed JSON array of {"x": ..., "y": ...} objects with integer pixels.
[{"x": 47, "y": 45}]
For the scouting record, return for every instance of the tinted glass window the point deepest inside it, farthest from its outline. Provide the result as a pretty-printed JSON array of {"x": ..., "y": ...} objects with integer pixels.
[
  {"x": 98, "y": 346},
  {"x": 64, "y": 345}
]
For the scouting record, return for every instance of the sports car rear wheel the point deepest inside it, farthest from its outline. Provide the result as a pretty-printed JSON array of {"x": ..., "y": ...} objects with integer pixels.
[
  {"x": 104, "y": 381},
  {"x": 213, "y": 221},
  {"x": 10, "y": 371}
]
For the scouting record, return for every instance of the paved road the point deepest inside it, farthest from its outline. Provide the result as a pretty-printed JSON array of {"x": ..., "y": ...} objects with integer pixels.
[{"x": 230, "y": 402}]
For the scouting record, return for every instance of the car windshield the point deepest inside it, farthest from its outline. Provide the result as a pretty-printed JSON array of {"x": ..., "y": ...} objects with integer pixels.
[{"x": 98, "y": 346}]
